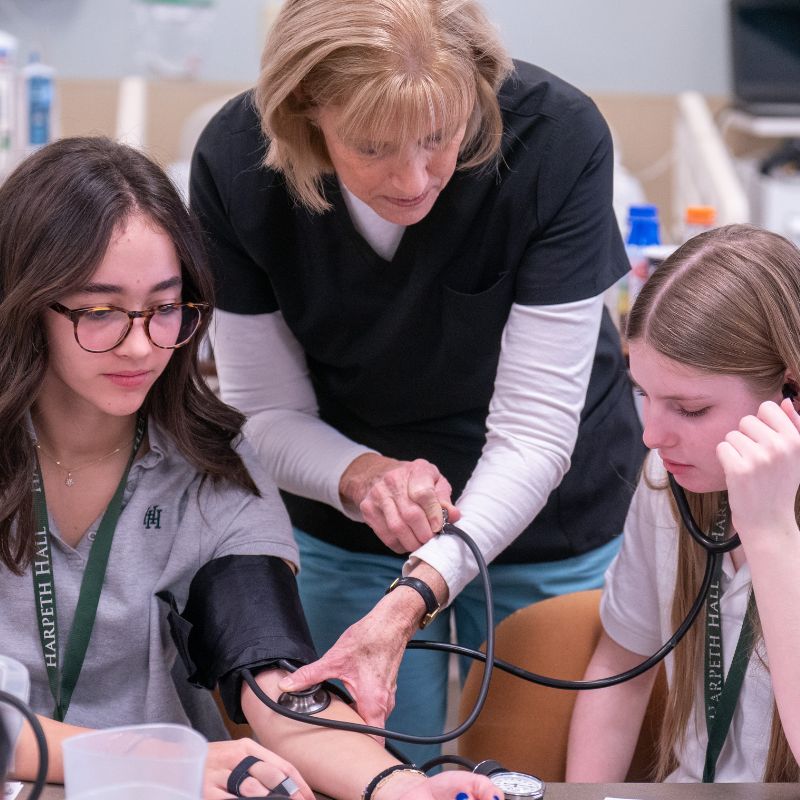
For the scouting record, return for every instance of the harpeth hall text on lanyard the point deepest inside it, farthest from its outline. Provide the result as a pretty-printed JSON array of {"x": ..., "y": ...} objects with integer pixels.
[
  {"x": 721, "y": 694},
  {"x": 62, "y": 682}
]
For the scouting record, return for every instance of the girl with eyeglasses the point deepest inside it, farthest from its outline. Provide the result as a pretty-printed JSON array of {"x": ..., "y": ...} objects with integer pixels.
[
  {"x": 127, "y": 491},
  {"x": 714, "y": 341}
]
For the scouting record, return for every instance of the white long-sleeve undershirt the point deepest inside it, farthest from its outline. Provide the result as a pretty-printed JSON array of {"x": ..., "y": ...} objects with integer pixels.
[{"x": 540, "y": 388}]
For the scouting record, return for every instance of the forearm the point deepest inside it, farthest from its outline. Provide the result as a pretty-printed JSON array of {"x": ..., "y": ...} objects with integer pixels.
[
  {"x": 304, "y": 455},
  {"x": 774, "y": 565},
  {"x": 26, "y": 757},
  {"x": 606, "y": 722},
  {"x": 338, "y": 763},
  {"x": 262, "y": 371}
]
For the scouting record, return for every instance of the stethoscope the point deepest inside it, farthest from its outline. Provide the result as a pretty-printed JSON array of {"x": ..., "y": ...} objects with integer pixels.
[{"x": 301, "y": 706}]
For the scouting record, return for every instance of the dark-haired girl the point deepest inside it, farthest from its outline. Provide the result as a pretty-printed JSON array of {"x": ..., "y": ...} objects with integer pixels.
[{"x": 124, "y": 483}]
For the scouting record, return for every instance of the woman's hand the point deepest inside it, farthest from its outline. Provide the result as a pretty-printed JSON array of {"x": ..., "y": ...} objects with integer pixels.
[
  {"x": 450, "y": 785},
  {"x": 265, "y": 775},
  {"x": 367, "y": 656},
  {"x": 402, "y": 501},
  {"x": 761, "y": 461}
]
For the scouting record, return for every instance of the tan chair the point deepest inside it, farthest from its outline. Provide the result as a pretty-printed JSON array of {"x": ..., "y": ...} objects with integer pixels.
[
  {"x": 525, "y": 726},
  {"x": 236, "y": 730}
]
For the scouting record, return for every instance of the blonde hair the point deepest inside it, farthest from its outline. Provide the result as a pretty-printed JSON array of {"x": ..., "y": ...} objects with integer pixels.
[
  {"x": 727, "y": 303},
  {"x": 396, "y": 69}
]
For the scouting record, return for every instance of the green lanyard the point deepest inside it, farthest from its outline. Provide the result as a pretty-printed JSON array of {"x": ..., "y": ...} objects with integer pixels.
[
  {"x": 62, "y": 682},
  {"x": 721, "y": 694}
]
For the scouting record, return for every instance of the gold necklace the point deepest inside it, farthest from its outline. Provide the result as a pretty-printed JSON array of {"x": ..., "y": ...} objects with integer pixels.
[{"x": 69, "y": 480}]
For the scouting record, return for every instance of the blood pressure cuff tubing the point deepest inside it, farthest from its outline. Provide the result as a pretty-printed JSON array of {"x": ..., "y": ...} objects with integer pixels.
[{"x": 243, "y": 612}]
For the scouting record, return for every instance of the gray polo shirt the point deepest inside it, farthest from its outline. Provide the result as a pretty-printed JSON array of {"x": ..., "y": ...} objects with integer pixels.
[{"x": 170, "y": 526}]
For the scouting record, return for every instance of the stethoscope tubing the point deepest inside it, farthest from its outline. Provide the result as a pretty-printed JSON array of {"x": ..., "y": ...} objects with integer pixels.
[
  {"x": 714, "y": 552},
  {"x": 447, "y": 736},
  {"x": 706, "y": 542}
]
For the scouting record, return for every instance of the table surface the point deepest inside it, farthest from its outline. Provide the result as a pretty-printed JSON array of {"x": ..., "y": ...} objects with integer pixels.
[{"x": 635, "y": 791}]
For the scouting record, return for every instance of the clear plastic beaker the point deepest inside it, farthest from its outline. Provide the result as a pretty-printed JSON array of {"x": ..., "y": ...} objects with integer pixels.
[
  {"x": 14, "y": 680},
  {"x": 157, "y": 762}
]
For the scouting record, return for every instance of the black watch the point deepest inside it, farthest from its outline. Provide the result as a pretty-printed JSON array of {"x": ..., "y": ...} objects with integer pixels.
[{"x": 432, "y": 607}]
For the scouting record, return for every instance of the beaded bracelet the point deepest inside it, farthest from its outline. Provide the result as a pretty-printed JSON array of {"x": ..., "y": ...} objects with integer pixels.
[{"x": 383, "y": 777}]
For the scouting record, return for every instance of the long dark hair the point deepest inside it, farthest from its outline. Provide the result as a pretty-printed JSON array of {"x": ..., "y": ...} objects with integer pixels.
[{"x": 58, "y": 211}]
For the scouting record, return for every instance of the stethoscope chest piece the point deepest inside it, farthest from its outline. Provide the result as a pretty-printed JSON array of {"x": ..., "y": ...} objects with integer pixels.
[{"x": 307, "y": 701}]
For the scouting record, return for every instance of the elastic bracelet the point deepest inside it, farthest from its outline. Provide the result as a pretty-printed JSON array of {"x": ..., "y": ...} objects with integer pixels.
[
  {"x": 432, "y": 607},
  {"x": 383, "y": 777}
]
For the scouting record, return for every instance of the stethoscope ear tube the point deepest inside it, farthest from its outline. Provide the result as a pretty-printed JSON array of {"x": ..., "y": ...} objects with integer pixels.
[
  {"x": 706, "y": 542},
  {"x": 714, "y": 550}
]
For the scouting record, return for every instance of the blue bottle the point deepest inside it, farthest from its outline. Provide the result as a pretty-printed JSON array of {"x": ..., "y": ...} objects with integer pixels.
[
  {"x": 39, "y": 91},
  {"x": 643, "y": 232}
]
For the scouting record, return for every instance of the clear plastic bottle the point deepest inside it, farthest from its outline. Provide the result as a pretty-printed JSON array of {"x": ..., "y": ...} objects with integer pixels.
[
  {"x": 39, "y": 82},
  {"x": 698, "y": 219},
  {"x": 14, "y": 679},
  {"x": 8, "y": 102},
  {"x": 173, "y": 36},
  {"x": 643, "y": 232}
]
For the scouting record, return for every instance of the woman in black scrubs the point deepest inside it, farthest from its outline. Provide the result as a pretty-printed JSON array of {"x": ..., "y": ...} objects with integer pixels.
[{"x": 411, "y": 236}]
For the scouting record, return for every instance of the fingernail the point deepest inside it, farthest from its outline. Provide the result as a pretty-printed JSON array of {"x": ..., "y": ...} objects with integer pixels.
[
  {"x": 462, "y": 796},
  {"x": 495, "y": 797}
]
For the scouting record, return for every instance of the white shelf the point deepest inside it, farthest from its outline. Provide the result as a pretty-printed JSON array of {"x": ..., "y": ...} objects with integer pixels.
[{"x": 766, "y": 127}]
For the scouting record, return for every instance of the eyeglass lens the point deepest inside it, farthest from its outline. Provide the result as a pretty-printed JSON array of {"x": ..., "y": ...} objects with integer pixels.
[{"x": 170, "y": 326}]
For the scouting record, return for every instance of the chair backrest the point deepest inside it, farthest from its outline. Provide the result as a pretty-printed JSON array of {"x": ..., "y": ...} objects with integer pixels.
[
  {"x": 525, "y": 726},
  {"x": 235, "y": 729}
]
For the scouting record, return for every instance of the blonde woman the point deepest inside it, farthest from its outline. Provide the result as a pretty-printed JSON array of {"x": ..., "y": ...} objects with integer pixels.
[
  {"x": 715, "y": 350},
  {"x": 411, "y": 235}
]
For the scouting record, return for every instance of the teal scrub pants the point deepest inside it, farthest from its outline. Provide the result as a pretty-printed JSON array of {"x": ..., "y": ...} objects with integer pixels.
[{"x": 338, "y": 587}]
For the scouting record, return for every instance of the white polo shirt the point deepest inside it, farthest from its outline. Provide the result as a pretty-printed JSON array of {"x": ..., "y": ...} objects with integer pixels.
[
  {"x": 170, "y": 526},
  {"x": 635, "y": 611}
]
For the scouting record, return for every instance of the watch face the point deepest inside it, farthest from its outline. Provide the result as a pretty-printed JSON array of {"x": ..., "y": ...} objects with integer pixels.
[{"x": 518, "y": 784}]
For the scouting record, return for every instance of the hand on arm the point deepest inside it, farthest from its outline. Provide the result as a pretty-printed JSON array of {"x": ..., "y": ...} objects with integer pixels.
[
  {"x": 606, "y": 722},
  {"x": 761, "y": 461},
  {"x": 367, "y": 655}
]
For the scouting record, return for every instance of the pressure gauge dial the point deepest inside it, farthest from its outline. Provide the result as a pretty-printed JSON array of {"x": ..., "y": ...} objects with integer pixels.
[{"x": 518, "y": 785}]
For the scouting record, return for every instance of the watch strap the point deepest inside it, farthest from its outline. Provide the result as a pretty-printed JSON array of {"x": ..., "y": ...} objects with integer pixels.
[{"x": 432, "y": 607}]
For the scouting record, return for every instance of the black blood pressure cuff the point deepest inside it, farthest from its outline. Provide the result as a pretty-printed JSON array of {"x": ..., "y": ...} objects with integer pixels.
[{"x": 243, "y": 612}]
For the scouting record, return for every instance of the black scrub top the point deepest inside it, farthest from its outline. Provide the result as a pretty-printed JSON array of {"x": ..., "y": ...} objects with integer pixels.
[{"x": 402, "y": 354}]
